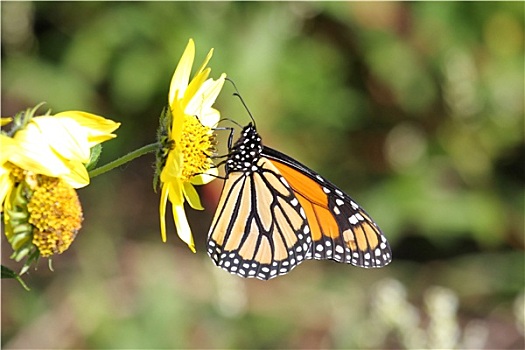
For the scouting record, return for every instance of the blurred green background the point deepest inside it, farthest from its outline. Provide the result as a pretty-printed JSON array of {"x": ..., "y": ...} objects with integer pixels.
[{"x": 414, "y": 109}]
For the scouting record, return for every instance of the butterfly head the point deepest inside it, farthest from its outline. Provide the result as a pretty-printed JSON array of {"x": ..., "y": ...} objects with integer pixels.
[{"x": 246, "y": 152}]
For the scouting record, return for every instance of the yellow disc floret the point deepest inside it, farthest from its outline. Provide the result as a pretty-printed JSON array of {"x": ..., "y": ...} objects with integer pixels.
[
  {"x": 56, "y": 215},
  {"x": 18, "y": 174},
  {"x": 196, "y": 144}
]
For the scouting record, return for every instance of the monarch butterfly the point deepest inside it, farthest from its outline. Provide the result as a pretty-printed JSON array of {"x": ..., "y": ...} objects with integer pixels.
[{"x": 274, "y": 213}]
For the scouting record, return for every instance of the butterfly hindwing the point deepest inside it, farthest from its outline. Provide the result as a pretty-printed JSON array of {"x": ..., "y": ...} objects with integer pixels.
[{"x": 260, "y": 229}]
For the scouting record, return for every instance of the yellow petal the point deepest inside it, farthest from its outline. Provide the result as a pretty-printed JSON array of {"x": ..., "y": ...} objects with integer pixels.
[
  {"x": 34, "y": 153},
  {"x": 78, "y": 176},
  {"x": 192, "y": 197},
  {"x": 206, "y": 60},
  {"x": 182, "y": 226},
  {"x": 8, "y": 146},
  {"x": 175, "y": 195},
  {"x": 203, "y": 179},
  {"x": 181, "y": 77},
  {"x": 5, "y": 121},
  {"x": 205, "y": 97},
  {"x": 65, "y": 136},
  {"x": 99, "y": 129},
  {"x": 172, "y": 170},
  {"x": 6, "y": 210},
  {"x": 210, "y": 118},
  {"x": 162, "y": 211},
  {"x": 193, "y": 88},
  {"x": 177, "y": 123},
  {"x": 6, "y": 183}
]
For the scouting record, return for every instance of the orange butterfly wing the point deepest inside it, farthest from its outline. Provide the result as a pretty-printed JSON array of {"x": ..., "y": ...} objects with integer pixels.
[{"x": 341, "y": 230}]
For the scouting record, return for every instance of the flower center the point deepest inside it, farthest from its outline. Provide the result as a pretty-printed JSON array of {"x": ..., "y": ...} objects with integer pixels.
[
  {"x": 196, "y": 144},
  {"x": 56, "y": 215}
]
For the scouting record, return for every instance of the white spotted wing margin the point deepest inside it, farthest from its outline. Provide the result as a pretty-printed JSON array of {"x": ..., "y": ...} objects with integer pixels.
[{"x": 259, "y": 229}]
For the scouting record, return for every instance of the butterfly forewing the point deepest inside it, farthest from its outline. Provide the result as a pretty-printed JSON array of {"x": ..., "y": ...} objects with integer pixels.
[
  {"x": 260, "y": 229},
  {"x": 341, "y": 230},
  {"x": 361, "y": 242}
]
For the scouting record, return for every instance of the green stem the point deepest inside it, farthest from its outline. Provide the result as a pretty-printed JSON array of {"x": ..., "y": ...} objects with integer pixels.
[{"x": 124, "y": 159}]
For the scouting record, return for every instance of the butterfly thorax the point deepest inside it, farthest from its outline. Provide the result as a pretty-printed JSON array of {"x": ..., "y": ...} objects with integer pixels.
[{"x": 246, "y": 152}]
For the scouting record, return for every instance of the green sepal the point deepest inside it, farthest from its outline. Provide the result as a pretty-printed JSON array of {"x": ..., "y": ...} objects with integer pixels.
[
  {"x": 22, "y": 252},
  {"x": 22, "y": 229},
  {"x": 94, "y": 156},
  {"x": 165, "y": 145},
  {"x": 21, "y": 119},
  {"x": 20, "y": 239},
  {"x": 33, "y": 257}
]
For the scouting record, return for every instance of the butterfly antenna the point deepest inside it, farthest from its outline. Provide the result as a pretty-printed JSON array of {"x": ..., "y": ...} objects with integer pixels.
[
  {"x": 237, "y": 94},
  {"x": 231, "y": 121}
]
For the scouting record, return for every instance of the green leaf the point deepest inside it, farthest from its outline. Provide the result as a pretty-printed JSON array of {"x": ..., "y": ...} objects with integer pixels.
[{"x": 8, "y": 273}]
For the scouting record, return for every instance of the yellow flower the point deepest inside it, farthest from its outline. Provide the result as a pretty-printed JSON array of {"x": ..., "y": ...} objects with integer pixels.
[
  {"x": 187, "y": 141},
  {"x": 59, "y": 145},
  {"x": 43, "y": 161}
]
